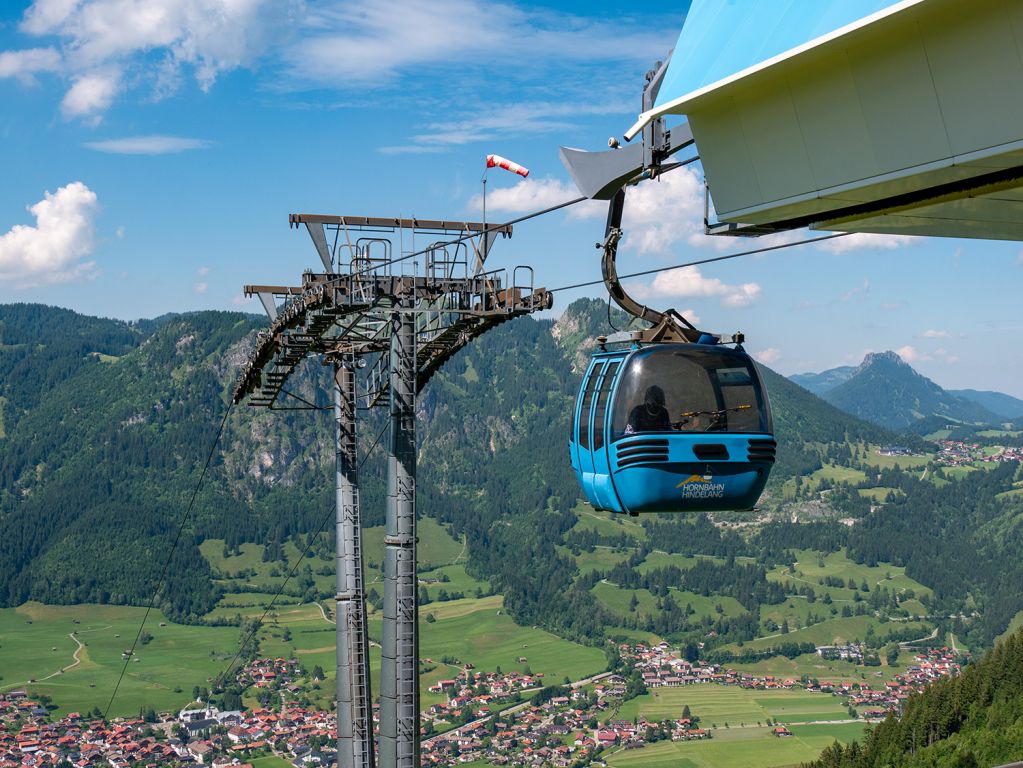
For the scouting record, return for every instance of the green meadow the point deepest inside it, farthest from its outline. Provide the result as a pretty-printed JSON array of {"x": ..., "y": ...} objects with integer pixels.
[
  {"x": 618, "y": 600},
  {"x": 740, "y": 748},
  {"x": 812, "y": 665},
  {"x": 811, "y": 567},
  {"x": 607, "y": 523},
  {"x": 600, "y": 559},
  {"x": 36, "y": 644},
  {"x": 837, "y": 630},
  {"x": 269, "y": 761},
  {"x": 716, "y": 705}
]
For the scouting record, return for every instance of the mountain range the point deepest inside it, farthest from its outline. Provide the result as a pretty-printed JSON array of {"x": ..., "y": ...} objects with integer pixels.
[
  {"x": 106, "y": 427},
  {"x": 886, "y": 390},
  {"x": 999, "y": 403}
]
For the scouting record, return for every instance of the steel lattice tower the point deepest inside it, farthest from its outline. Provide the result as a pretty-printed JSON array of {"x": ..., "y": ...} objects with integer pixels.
[{"x": 402, "y": 326}]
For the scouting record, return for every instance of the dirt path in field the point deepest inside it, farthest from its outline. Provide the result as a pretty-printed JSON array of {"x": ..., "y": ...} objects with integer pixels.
[
  {"x": 919, "y": 639},
  {"x": 323, "y": 613},
  {"x": 74, "y": 656},
  {"x": 80, "y": 645},
  {"x": 460, "y": 555}
]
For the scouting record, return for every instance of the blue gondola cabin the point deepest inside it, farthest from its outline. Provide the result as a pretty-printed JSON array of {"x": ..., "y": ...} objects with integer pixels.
[{"x": 672, "y": 428}]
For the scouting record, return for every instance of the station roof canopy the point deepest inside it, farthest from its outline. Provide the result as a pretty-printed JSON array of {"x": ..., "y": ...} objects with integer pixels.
[{"x": 855, "y": 115}]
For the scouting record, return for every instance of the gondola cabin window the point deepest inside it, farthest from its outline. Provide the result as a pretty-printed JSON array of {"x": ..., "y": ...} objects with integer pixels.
[{"x": 668, "y": 389}]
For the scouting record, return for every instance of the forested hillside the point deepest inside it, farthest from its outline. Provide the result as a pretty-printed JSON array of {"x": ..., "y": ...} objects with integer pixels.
[
  {"x": 106, "y": 433},
  {"x": 107, "y": 428}
]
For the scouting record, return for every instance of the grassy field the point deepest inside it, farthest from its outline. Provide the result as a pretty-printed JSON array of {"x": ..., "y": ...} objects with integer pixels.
[
  {"x": 35, "y": 643},
  {"x": 958, "y": 473},
  {"x": 830, "y": 472},
  {"x": 457, "y": 580},
  {"x": 879, "y": 494},
  {"x": 600, "y": 559},
  {"x": 740, "y": 748},
  {"x": 470, "y": 630},
  {"x": 837, "y": 630},
  {"x": 795, "y": 611},
  {"x": 270, "y": 761},
  {"x": 622, "y": 634},
  {"x": 1014, "y": 624},
  {"x": 607, "y": 523},
  {"x": 659, "y": 559},
  {"x": 716, "y": 705},
  {"x": 618, "y": 599},
  {"x": 480, "y": 631},
  {"x": 437, "y": 549},
  {"x": 838, "y": 474},
  {"x": 875, "y": 459},
  {"x": 809, "y": 568},
  {"x": 812, "y": 665}
]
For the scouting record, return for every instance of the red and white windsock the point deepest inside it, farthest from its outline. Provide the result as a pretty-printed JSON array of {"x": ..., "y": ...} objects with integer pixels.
[{"x": 496, "y": 161}]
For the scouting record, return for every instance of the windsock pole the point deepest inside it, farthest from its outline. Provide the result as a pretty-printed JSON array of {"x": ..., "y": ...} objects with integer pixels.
[{"x": 496, "y": 161}]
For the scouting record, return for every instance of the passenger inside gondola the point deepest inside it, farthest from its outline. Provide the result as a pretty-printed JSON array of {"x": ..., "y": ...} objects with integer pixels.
[
  {"x": 688, "y": 389},
  {"x": 650, "y": 415}
]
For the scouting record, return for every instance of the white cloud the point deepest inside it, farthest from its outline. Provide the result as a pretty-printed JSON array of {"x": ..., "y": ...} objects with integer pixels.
[
  {"x": 52, "y": 251},
  {"x": 109, "y": 42},
  {"x": 535, "y": 194},
  {"x": 120, "y": 233},
  {"x": 1019, "y": 258},
  {"x": 24, "y": 64},
  {"x": 686, "y": 282},
  {"x": 859, "y": 241},
  {"x": 90, "y": 95},
  {"x": 691, "y": 316},
  {"x": 351, "y": 43},
  {"x": 662, "y": 213},
  {"x": 658, "y": 215},
  {"x": 201, "y": 271},
  {"x": 769, "y": 356},
  {"x": 499, "y": 121},
  {"x": 201, "y": 287},
  {"x": 147, "y": 145},
  {"x": 911, "y": 355},
  {"x": 344, "y": 44}
]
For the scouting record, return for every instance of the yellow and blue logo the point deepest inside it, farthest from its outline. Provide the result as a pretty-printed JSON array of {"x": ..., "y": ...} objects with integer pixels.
[
  {"x": 696, "y": 479},
  {"x": 701, "y": 487}
]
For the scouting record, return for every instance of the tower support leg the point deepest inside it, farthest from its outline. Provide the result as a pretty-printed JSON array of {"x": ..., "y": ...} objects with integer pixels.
[
  {"x": 399, "y": 674},
  {"x": 354, "y": 705}
]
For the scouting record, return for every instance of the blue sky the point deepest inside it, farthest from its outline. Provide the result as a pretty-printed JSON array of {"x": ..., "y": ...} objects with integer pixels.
[{"x": 153, "y": 150}]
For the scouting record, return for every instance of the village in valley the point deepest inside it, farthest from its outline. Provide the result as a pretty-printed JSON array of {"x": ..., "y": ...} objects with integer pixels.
[
  {"x": 501, "y": 718},
  {"x": 960, "y": 453}
]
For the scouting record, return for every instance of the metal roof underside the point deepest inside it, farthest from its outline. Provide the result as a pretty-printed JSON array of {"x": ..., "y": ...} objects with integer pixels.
[
  {"x": 856, "y": 116},
  {"x": 721, "y": 42}
]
